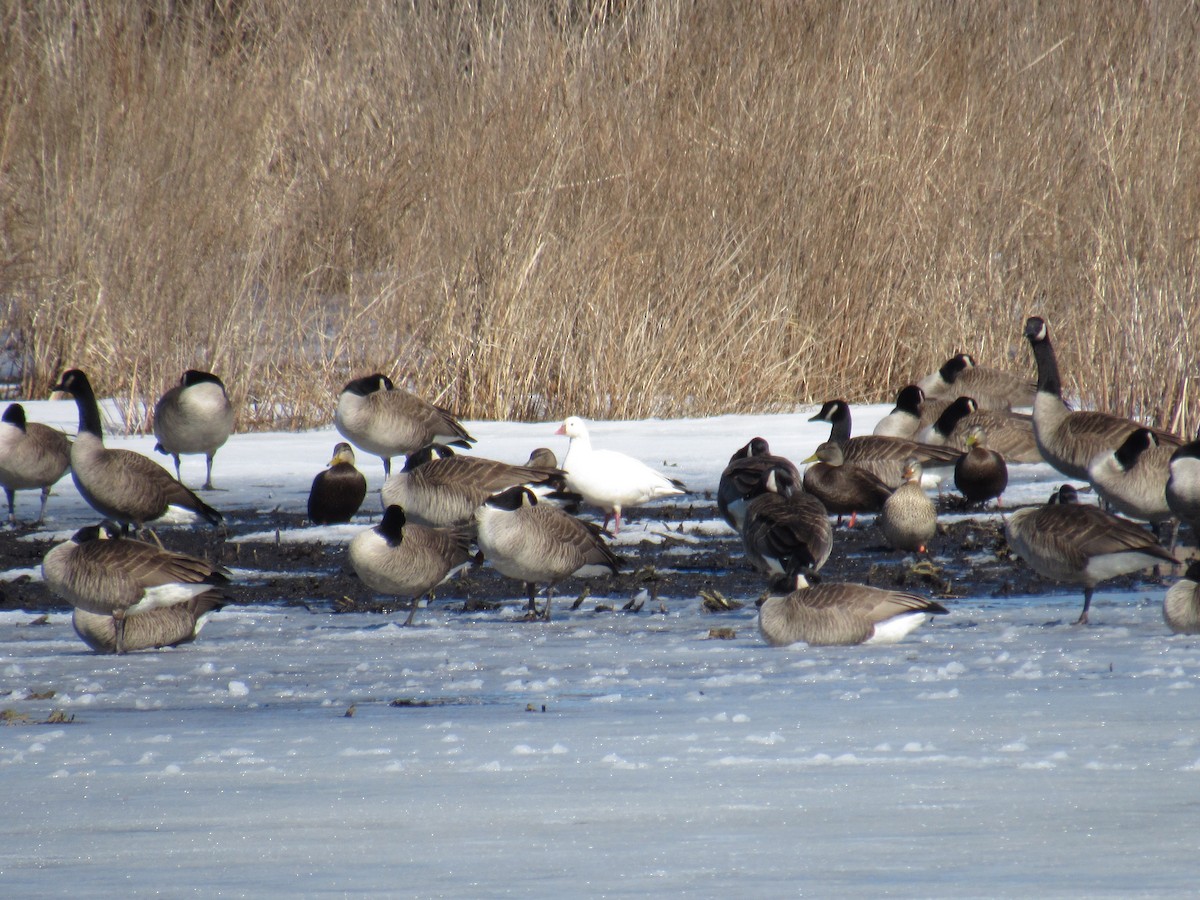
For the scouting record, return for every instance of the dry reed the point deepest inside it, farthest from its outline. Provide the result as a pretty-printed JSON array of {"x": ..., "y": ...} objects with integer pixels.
[{"x": 526, "y": 209}]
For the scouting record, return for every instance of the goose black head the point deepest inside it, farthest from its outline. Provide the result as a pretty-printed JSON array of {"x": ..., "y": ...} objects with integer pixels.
[
  {"x": 1193, "y": 571},
  {"x": 1134, "y": 446},
  {"x": 1065, "y": 496},
  {"x": 73, "y": 381},
  {"x": 15, "y": 415},
  {"x": 955, "y": 413},
  {"x": 198, "y": 376},
  {"x": 909, "y": 399},
  {"x": 832, "y": 411},
  {"x": 391, "y": 526},
  {"x": 955, "y": 366},
  {"x": 778, "y": 480},
  {"x": 426, "y": 454},
  {"x": 369, "y": 384},
  {"x": 512, "y": 499},
  {"x": 1036, "y": 330}
]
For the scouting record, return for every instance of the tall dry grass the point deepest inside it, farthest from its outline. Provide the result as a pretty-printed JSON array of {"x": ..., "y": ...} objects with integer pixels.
[{"x": 523, "y": 209}]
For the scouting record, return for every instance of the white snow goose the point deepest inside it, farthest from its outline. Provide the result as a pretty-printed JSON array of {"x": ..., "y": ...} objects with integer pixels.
[{"x": 608, "y": 479}]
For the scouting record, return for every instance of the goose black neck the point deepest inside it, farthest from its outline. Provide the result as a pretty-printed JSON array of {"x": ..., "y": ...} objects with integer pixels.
[
  {"x": 951, "y": 416},
  {"x": 89, "y": 409},
  {"x": 15, "y": 415},
  {"x": 391, "y": 527},
  {"x": 1048, "y": 381},
  {"x": 839, "y": 420}
]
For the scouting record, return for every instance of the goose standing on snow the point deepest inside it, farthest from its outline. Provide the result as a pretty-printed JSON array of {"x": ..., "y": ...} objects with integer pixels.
[
  {"x": 121, "y": 485},
  {"x": 121, "y": 579},
  {"x": 844, "y": 488},
  {"x": 882, "y": 456},
  {"x": 743, "y": 479},
  {"x": 1080, "y": 544},
  {"x": 1068, "y": 440},
  {"x": 833, "y": 614},
  {"x": 195, "y": 416},
  {"x": 32, "y": 455},
  {"x": 608, "y": 479},
  {"x": 437, "y": 487},
  {"x": 1183, "y": 485},
  {"x": 992, "y": 388},
  {"x": 407, "y": 559},
  {"x": 981, "y": 473},
  {"x": 375, "y": 415},
  {"x": 1181, "y": 606},
  {"x": 537, "y": 543},
  {"x": 909, "y": 518},
  {"x": 785, "y": 529},
  {"x": 1010, "y": 435},
  {"x": 338, "y": 491}
]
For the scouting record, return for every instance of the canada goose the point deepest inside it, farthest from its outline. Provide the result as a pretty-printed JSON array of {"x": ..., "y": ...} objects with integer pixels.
[
  {"x": 840, "y": 614},
  {"x": 1183, "y": 485},
  {"x": 883, "y": 456},
  {"x": 537, "y": 542},
  {"x": 438, "y": 488},
  {"x": 742, "y": 480},
  {"x": 338, "y": 491},
  {"x": 608, "y": 479},
  {"x": 1080, "y": 544},
  {"x": 1068, "y": 440},
  {"x": 375, "y": 415},
  {"x": 785, "y": 529},
  {"x": 911, "y": 413},
  {"x": 407, "y": 559},
  {"x": 844, "y": 488},
  {"x": 981, "y": 473},
  {"x": 32, "y": 455},
  {"x": 195, "y": 416},
  {"x": 121, "y": 578},
  {"x": 909, "y": 519},
  {"x": 1181, "y": 605},
  {"x": 1009, "y": 435},
  {"x": 119, "y": 484},
  {"x": 167, "y": 626},
  {"x": 1133, "y": 478},
  {"x": 991, "y": 388}
]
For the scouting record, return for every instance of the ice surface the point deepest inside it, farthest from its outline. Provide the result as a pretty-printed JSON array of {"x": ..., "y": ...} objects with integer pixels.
[{"x": 997, "y": 751}]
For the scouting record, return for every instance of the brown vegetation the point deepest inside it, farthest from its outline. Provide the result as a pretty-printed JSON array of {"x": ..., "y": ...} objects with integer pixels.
[{"x": 524, "y": 209}]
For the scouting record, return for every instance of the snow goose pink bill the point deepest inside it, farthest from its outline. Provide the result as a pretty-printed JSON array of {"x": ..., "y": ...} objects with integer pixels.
[{"x": 610, "y": 480}]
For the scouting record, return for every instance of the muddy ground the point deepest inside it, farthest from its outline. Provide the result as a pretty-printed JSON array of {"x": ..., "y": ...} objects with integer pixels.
[{"x": 969, "y": 558}]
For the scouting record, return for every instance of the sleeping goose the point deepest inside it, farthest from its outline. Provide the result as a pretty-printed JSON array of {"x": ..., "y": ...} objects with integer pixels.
[
  {"x": 742, "y": 480},
  {"x": 1133, "y": 478},
  {"x": 121, "y": 485},
  {"x": 1009, "y": 435},
  {"x": 1181, "y": 605},
  {"x": 407, "y": 559},
  {"x": 1068, "y": 440},
  {"x": 909, "y": 519},
  {"x": 991, "y": 388},
  {"x": 121, "y": 578},
  {"x": 840, "y": 614},
  {"x": 844, "y": 488},
  {"x": 883, "y": 456},
  {"x": 1080, "y": 544},
  {"x": 436, "y": 487},
  {"x": 608, "y": 479},
  {"x": 32, "y": 455},
  {"x": 375, "y": 415},
  {"x": 338, "y": 491},
  {"x": 911, "y": 413},
  {"x": 981, "y": 473},
  {"x": 785, "y": 529},
  {"x": 537, "y": 543},
  {"x": 167, "y": 626},
  {"x": 195, "y": 416},
  {"x": 1183, "y": 485}
]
